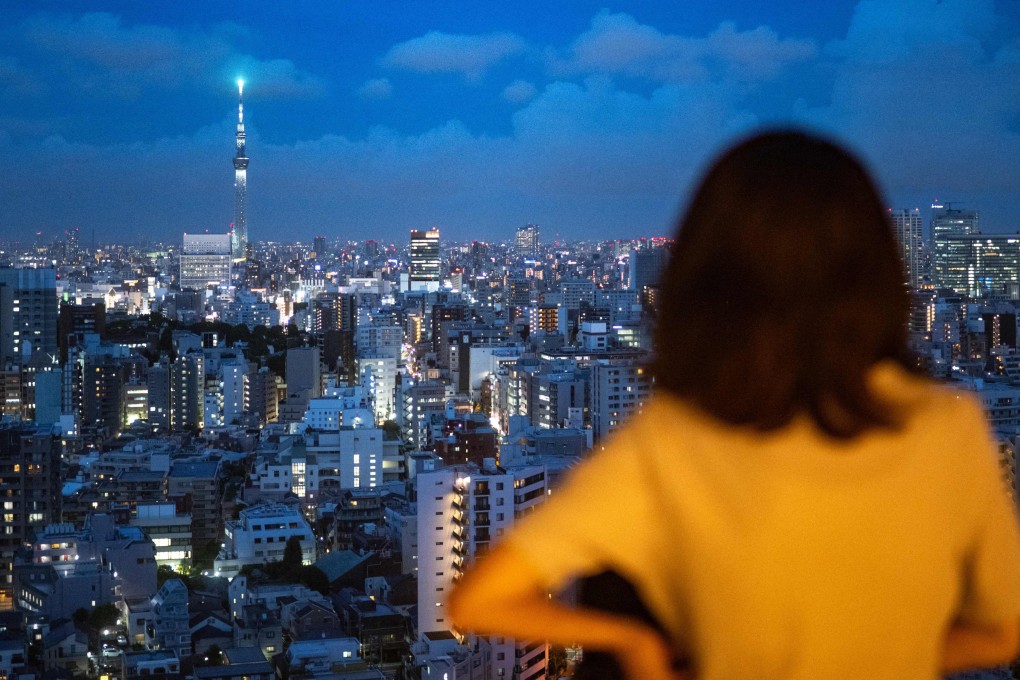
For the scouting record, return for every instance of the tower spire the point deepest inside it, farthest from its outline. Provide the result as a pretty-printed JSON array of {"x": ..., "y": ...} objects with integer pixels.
[{"x": 239, "y": 237}]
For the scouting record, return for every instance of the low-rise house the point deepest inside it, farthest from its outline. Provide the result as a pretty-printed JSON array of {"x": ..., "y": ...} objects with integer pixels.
[
  {"x": 65, "y": 648},
  {"x": 163, "y": 663},
  {"x": 320, "y": 653},
  {"x": 259, "y": 626},
  {"x": 381, "y": 629},
  {"x": 241, "y": 663},
  {"x": 303, "y": 617},
  {"x": 210, "y": 629}
]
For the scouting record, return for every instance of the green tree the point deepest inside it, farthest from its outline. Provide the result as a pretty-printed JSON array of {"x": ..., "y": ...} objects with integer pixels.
[{"x": 292, "y": 553}]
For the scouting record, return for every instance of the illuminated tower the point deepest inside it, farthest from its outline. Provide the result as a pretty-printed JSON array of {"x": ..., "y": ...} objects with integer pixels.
[{"x": 239, "y": 237}]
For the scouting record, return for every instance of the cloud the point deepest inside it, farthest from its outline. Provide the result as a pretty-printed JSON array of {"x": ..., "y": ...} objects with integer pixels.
[
  {"x": 437, "y": 52},
  {"x": 617, "y": 44},
  {"x": 929, "y": 99},
  {"x": 519, "y": 92},
  {"x": 16, "y": 79},
  {"x": 102, "y": 53},
  {"x": 376, "y": 88}
]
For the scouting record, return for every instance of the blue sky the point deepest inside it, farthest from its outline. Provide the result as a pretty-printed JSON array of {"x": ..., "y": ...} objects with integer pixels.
[{"x": 367, "y": 119}]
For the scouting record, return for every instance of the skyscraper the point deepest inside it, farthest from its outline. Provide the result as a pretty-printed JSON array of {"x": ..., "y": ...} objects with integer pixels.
[
  {"x": 527, "y": 239},
  {"x": 906, "y": 225},
  {"x": 425, "y": 261},
  {"x": 239, "y": 237},
  {"x": 947, "y": 222}
]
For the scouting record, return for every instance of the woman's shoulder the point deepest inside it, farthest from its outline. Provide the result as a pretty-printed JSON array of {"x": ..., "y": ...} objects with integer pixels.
[{"x": 945, "y": 403}]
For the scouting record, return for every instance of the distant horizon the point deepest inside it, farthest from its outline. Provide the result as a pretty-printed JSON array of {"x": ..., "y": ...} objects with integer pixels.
[{"x": 582, "y": 117}]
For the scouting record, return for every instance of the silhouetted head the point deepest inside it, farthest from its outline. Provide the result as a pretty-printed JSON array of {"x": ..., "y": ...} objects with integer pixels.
[{"x": 784, "y": 289}]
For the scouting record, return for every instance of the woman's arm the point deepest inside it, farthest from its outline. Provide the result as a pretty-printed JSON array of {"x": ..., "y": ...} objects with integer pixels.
[
  {"x": 970, "y": 646},
  {"x": 501, "y": 594}
]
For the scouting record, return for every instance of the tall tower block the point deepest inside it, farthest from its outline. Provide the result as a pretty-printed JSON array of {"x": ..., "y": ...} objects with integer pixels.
[{"x": 239, "y": 237}]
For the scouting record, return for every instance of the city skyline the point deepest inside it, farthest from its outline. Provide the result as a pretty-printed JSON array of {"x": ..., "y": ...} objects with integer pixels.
[{"x": 120, "y": 119}]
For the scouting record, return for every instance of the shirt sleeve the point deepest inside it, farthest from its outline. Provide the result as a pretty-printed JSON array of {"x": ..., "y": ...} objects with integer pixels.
[
  {"x": 600, "y": 518},
  {"x": 992, "y": 564}
]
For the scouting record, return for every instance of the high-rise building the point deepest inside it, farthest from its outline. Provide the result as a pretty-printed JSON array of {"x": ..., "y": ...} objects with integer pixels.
[
  {"x": 239, "y": 235},
  {"x": 906, "y": 226},
  {"x": 319, "y": 247},
  {"x": 647, "y": 265},
  {"x": 205, "y": 261},
  {"x": 527, "y": 239},
  {"x": 30, "y": 485},
  {"x": 426, "y": 264},
  {"x": 462, "y": 511},
  {"x": 260, "y": 397},
  {"x": 89, "y": 317},
  {"x": 979, "y": 264},
  {"x": 176, "y": 393},
  {"x": 28, "y": 313},
  {"x": 947, "y": 222}
]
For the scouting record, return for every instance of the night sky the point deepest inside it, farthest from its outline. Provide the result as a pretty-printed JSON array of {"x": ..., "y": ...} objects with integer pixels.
[{"x": 366, "y": 119}]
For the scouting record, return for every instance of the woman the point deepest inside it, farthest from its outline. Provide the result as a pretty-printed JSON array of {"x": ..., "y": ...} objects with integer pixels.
[{"x": 793, "y": 502}]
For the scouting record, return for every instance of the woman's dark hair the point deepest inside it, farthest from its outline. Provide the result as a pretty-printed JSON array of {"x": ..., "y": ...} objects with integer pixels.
[{"x": 784, "y": 288}]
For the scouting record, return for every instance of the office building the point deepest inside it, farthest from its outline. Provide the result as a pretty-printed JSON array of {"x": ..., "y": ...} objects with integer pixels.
[
  {"x": 28, "y": 314},
  {"x": 527, "y": 240},
  {"x": 980, "y": 264},
  {"x": 426, "y": 264},
  {"x": 948, "y": 222},
  {"x": 205, "y": 261},
  {"x": 647, "y": 265},
  {"x": 906, "y": 226}
]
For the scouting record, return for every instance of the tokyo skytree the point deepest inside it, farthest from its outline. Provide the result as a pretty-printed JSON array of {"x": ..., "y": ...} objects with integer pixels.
[{"x": 239, "y": 235}]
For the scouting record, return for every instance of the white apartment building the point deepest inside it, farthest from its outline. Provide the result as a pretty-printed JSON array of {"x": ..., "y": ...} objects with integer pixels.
[
  {"x": 260, "y": 535},
  {"x": 462, "y": 510},
  {"x": 233, "y": 373},
  {"x": 377, "y": 375}
]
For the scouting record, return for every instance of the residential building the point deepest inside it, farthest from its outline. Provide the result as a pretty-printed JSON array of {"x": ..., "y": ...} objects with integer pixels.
[{"x": 30, "y": 485}]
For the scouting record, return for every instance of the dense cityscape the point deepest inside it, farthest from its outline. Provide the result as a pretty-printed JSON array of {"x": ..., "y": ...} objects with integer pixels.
[
  {"x": 281, "y": 456},
  {"x": 235, "y": 455}
]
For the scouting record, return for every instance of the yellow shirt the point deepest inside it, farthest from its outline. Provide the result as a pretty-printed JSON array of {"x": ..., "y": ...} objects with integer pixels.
[{"x": 789, "y": 554}]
